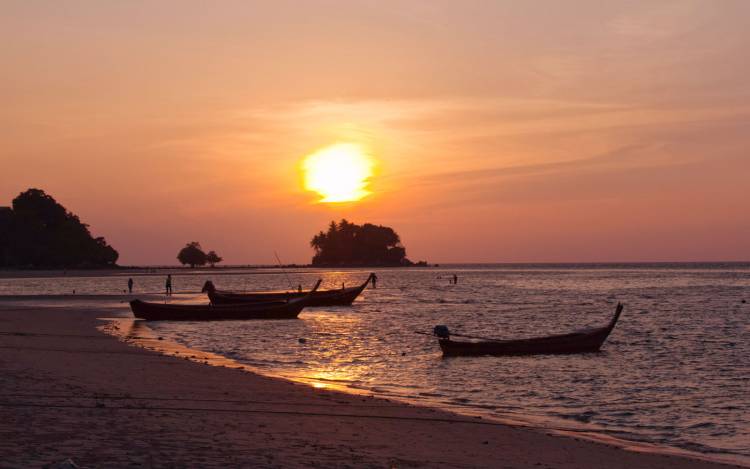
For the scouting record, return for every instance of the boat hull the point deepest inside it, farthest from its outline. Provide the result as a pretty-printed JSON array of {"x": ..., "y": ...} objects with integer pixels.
[
  {"x": 565, "y": 344},
  {"x": 173, "y": 312},
  {"x": 529, "y": 347},
  {"x": 343, "y": 297}
]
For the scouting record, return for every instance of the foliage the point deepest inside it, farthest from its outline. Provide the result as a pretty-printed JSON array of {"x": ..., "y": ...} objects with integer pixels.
[
  {"x": 192, "y": 254},
  {"x": 212, "y": 258},
  {"x": 348, "y": 244},
  {"x": 39, "y": 232}
]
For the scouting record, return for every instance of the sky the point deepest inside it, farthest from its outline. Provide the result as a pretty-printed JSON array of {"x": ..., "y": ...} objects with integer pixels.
[{"x": 504, "y": 131}]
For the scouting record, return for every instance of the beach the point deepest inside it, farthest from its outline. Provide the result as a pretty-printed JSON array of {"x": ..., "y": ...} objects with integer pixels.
[{"x": 69, "y": 390}]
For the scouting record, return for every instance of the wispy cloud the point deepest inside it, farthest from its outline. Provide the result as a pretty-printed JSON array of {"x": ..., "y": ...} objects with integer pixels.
[{"x": 660, "y": 20}]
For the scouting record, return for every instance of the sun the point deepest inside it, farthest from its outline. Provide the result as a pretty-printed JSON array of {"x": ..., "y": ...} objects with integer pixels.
[{"x": 339, "y": 173}]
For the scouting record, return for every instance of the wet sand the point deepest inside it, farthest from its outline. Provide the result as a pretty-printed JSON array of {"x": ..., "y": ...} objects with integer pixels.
[{"x": 68, "y": 390}]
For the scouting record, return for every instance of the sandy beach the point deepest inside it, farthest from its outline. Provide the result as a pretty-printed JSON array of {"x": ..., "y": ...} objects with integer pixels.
[{"x": 68, "y": 390}]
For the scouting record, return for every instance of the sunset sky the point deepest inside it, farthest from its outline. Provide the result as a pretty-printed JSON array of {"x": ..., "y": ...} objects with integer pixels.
[{"x": 499, "y": 131}]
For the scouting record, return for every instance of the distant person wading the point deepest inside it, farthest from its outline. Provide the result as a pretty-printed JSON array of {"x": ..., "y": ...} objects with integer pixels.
[
  {"x": 130, "y": 285},
  {"x": 169, "y": 285}
]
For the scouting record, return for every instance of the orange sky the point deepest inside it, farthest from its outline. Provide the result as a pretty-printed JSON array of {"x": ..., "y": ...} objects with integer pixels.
[{"x": 504, "y": 131}]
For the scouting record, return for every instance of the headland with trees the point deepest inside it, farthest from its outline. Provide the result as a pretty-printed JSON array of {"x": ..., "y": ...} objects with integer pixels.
[{"x": 38, "y": 232}]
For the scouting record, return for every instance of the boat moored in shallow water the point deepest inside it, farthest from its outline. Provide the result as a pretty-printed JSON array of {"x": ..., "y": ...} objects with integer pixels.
[
  {"x": 338, "y": 297},
  {"x": 586, "y": 341},
  {"x": 280, "y": 309}
]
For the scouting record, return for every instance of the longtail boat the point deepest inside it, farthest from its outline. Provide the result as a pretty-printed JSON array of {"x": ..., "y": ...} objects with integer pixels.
[
  {"x": 585, "y": 341},
  {"x": 282, "y": 309},
  {"x": 338, "y": 297}
]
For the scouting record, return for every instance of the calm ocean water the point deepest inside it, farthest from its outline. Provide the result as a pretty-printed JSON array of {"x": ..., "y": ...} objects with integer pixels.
[{"x": 674, "y": 372}]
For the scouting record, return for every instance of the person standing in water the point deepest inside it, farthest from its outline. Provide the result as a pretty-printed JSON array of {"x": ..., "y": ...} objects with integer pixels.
[
  {"x": 169, "y": 285},
  {"x": 455, "y": 279},
  {"x": 130, "y": 285},
  {"x": 374, "y": 280}
]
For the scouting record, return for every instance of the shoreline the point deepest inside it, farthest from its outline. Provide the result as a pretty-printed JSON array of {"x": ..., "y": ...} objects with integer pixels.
[
  {"x": 148, "y": 339},
  {"x": 156, "y": 270},
  {"x": 70, "y": 390}
]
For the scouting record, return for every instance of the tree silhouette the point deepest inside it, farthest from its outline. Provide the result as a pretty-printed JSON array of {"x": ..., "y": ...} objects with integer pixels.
[
  {"x": 348, "y": 244},
  {"x": 39, "y": 232},
  {"x": 192, "y": 254},
  {"x": 212, "y": 258}
]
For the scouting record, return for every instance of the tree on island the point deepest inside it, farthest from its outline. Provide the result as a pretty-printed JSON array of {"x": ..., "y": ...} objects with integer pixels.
[
  {"x": 39, "y": 232},
  {"x": 212, "y": 258},
  {"x": 348, "y": 244},
  {"x": 192, "y": 254}
]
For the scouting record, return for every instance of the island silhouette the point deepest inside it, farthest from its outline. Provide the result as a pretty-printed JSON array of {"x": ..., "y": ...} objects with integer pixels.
[
  {"x": 347, "y": 244},
  {"x": 38, "y": 232}
]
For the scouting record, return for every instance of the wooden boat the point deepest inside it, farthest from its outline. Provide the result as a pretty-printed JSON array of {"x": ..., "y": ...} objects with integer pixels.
[
  {"x": 339, "y": 297},
  {"x": 281, "y": 309},
  {"x": 577, "y": 342}
]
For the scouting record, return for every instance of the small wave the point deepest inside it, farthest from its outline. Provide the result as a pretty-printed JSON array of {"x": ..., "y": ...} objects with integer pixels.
[
  {"x": 702, "y": 425},
  {"x": 584, "y": 417}
]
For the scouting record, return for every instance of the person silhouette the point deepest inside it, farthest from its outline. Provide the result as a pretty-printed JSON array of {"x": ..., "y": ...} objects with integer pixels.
[
  {"x": 374, "y": 280},
  {"x": 169, "y": 285},
  {"x": 130, "y": 285},
  {"x": 455, "y": 279}
]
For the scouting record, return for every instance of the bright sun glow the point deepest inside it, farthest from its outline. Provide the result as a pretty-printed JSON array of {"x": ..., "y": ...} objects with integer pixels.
[{"x": 339, "y": 173}]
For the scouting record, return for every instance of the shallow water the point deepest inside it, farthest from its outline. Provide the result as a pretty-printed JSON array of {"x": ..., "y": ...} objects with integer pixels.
[{"x": 674, "y": 371}]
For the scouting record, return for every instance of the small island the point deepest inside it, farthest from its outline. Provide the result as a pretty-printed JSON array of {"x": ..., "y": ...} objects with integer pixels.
[{"x": 347, "y": 244}]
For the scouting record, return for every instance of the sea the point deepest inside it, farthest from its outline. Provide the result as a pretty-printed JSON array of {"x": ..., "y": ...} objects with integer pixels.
[{"x": 674, "y": 373}]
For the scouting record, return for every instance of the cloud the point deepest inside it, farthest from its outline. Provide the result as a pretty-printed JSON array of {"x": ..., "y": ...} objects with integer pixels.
[{"x": 662, "y": 20}]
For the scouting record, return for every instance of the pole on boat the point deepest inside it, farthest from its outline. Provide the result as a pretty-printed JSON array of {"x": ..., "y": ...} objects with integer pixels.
[{"x": 283, "y": 271}]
